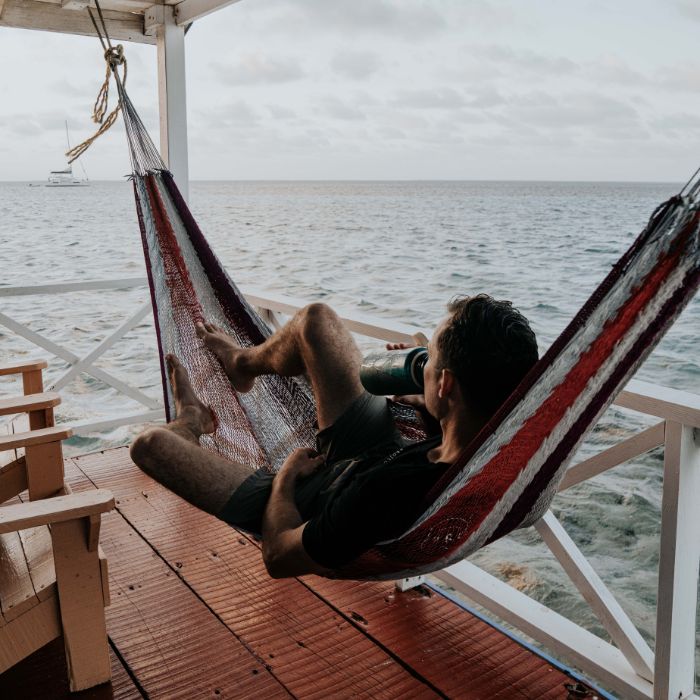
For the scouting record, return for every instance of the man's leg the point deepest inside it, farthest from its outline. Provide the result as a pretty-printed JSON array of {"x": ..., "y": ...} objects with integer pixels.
[
  {"x": 315, "y": 342},
  {"x": 172, "y": 455}
]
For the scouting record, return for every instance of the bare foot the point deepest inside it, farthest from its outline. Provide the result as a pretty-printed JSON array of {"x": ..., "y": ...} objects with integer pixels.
[
  {"x": 188, "y": 408},
  {"x": 230, "y": 355}
]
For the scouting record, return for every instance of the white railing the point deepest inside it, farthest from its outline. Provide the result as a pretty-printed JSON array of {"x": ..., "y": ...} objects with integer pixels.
[{"x": 627, "y": 666}]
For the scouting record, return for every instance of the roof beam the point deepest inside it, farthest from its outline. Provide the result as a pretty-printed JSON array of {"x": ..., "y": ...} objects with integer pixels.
[
  {"x": 190, "y": 10},
  {"x": 30, "y": 14}
]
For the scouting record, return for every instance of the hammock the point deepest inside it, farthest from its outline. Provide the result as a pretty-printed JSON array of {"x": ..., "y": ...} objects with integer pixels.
[{"x": 508, "y": 475}]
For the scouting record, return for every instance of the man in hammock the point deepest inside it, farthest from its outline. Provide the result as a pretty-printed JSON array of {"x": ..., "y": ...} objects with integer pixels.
[{"x": 364, "y": 484}]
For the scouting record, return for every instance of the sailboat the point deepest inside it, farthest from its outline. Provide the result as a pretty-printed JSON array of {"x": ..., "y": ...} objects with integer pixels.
[{"x": 65, "y": 177}]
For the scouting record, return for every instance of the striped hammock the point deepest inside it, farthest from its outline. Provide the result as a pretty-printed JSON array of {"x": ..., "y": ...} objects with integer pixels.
[{"x": 508, "y": 475}]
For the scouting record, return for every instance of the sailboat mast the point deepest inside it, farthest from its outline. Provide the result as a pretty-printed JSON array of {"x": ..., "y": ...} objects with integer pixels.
[{"x": 70, "y": 165}]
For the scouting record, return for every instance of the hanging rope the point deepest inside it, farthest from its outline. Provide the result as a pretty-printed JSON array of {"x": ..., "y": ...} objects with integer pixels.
[{"x": 114, "y": 57}]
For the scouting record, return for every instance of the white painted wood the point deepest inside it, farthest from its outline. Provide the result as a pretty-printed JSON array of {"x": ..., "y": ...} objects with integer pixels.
[
  {"x": 84, "y": 364},
  {"x": 116, "y": 5},
  {"x": 617, "y": 454},
  {"x": 87, "y": 427},
  {"x": 606, "y": 608},
  {"x": 381, "y": 329},
  {"x": 173, "y": 99},
  {"x": 678, "y": 565},
  {"x": 566, "y": 639},
  {"x": 64, "y": 287},
  {"x": 671, "y": 404},
  {"x": 153, "y": 18},
  {"x": 71, "y": 357},
  {"x": 406, "y": 584},
  {"x": 74, "y": 4},
  {"x": 31, "y": 14},
  {"x": 190, "y": 10}
]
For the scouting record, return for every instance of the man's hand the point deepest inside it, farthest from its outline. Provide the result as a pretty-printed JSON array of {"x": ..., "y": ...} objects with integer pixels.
[
  {"x": 283, "y": 548},
  {"x": 300, "y": 463},
  {"x": 400, "y": 346}
]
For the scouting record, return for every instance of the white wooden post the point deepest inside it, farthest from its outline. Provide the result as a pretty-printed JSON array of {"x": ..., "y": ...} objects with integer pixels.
[
  {"x": 678, "y": 565},
  {"x": 173, "y": 98}
]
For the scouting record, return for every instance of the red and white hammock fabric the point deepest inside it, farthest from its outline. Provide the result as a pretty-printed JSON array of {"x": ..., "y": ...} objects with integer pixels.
[{"x": 509, "y": 474}]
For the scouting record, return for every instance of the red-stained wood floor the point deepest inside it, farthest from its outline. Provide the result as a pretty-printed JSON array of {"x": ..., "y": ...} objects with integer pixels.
[{"x": 195, "y": 615}]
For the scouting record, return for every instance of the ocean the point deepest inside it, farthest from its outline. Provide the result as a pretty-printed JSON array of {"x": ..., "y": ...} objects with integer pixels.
[{"x": 395, "y": 250}]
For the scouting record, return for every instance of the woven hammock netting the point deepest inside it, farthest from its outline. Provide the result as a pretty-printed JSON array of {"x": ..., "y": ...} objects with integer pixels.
[{"x": 509, "y": 474}]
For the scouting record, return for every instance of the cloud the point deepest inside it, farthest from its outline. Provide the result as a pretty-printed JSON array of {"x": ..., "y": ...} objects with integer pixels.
[
  {"x": 682, "y": 78},
  {"x": 280, "y": 112},
  {"x": 390, "y": 133},
  {"x": 678, "y": 122},
  {"x": 526, "y": 60},
  {"x": 484, "y": 97},
  {"x": 390, "y": 18},
  {"x": 236, "y": 114},
  {"x": 338, "y": 109},
  {"x": 689, "y": 8},
  {"x": 610, "y": 68},
  {"x": 256, "y": 69},
  {"x": 573, "y": 110},
  {"x": 34, "y": 124},
  {"x": 353, "y": 64},
  {"x": 429, "y": 98}
]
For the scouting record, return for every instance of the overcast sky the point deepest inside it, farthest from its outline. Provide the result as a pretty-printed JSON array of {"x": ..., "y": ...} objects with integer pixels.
[{"x": 388, "y": 89}]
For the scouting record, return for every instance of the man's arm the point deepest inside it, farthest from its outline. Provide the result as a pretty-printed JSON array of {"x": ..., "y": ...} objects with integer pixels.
[{"x": 283, "y": 552}]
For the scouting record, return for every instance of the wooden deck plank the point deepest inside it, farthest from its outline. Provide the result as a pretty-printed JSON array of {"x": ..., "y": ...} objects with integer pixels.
[
  {"x": 43, "y": 675},
  {"x": 167, "y": 637},
  {"x": 420, "y": 626},
  {"x": 322, "y": 638},
  {"x": 311, "y": 649}
]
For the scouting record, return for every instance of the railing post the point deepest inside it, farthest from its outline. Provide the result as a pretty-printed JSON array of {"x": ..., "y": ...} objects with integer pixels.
[{"x": 674, "y": 672}]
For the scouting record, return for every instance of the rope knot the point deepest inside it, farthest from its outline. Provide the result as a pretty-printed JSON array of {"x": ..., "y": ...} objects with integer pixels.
[{"x": 114, "y": 56}]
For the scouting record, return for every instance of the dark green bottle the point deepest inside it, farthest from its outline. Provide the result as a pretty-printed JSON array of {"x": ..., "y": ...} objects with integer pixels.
[{"x": 392, "y": 372}]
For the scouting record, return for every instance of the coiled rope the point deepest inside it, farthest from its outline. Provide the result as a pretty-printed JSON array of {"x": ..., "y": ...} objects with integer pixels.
[{"x": 114, "y": 58}]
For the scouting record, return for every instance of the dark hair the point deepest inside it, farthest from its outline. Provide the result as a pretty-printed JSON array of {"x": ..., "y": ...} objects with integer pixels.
[{"x": 489, "y": 346}]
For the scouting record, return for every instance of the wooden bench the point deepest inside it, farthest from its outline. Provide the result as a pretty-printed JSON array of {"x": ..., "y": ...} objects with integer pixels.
[{"x": 53, "y": 575}]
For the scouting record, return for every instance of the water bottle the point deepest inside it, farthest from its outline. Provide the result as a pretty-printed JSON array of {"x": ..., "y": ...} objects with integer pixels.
[{"x": 394, "y": 371}]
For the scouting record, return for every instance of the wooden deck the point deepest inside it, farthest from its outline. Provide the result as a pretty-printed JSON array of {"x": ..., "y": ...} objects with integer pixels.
[{"x": 194, "y": 614}]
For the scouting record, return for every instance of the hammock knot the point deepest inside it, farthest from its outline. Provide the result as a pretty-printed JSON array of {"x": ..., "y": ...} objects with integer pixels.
[{"x": 114, "y": 56}]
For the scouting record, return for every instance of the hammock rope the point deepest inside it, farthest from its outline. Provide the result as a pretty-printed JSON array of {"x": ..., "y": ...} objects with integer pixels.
[
  {"x": 508, "y": 475},
  {"x": 114, "y": 58}
]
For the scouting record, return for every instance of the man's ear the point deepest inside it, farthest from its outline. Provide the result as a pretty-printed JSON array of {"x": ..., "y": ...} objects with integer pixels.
[{"x": 446, "y": 383}]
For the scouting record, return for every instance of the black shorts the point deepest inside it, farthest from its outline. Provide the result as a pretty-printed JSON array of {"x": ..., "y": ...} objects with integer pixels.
[{"x": 367, "y": 426}]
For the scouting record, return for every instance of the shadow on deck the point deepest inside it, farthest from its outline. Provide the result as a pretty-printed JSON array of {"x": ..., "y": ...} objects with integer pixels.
[{"x": 194, "y": 614}]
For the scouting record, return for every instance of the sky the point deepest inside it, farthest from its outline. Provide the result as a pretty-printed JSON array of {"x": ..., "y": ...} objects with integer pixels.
[{"x": 387, "y": 89}]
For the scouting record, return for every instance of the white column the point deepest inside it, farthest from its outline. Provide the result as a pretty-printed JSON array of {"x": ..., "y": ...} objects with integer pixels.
[
  {"x": 172, "y": 99},
  {"x": 678, "y": 565}
]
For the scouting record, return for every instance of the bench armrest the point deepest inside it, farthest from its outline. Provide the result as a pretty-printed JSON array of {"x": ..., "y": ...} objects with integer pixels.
[
  {"x": 55, "y": 510},
  {"x": 34, "y": 437},
  {"x": 23, "y": 367},
  {"x": 29, "y": 403}
]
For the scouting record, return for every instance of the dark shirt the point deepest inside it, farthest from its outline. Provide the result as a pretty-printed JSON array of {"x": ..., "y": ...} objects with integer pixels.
[{"x": 370, "y": 499}]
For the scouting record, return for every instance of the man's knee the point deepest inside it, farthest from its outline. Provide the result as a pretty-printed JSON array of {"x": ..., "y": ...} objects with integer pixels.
[
  {"x": 317, "y": 321},
  {"x": 147, "y": 446}
]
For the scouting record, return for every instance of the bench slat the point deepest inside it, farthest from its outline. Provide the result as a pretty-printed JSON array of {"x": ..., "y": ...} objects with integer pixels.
[
  {"x": 22, "y": 367},
  {"x": 38, "y": 552},
  {"x": 30, "y": 402},
  {"x": 34, "y": 437},
  {"x": 16, "y": 590}
]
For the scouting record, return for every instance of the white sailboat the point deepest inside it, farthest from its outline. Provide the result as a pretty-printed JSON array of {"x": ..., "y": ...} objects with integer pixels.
[{"x": 65, "y": 177}]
